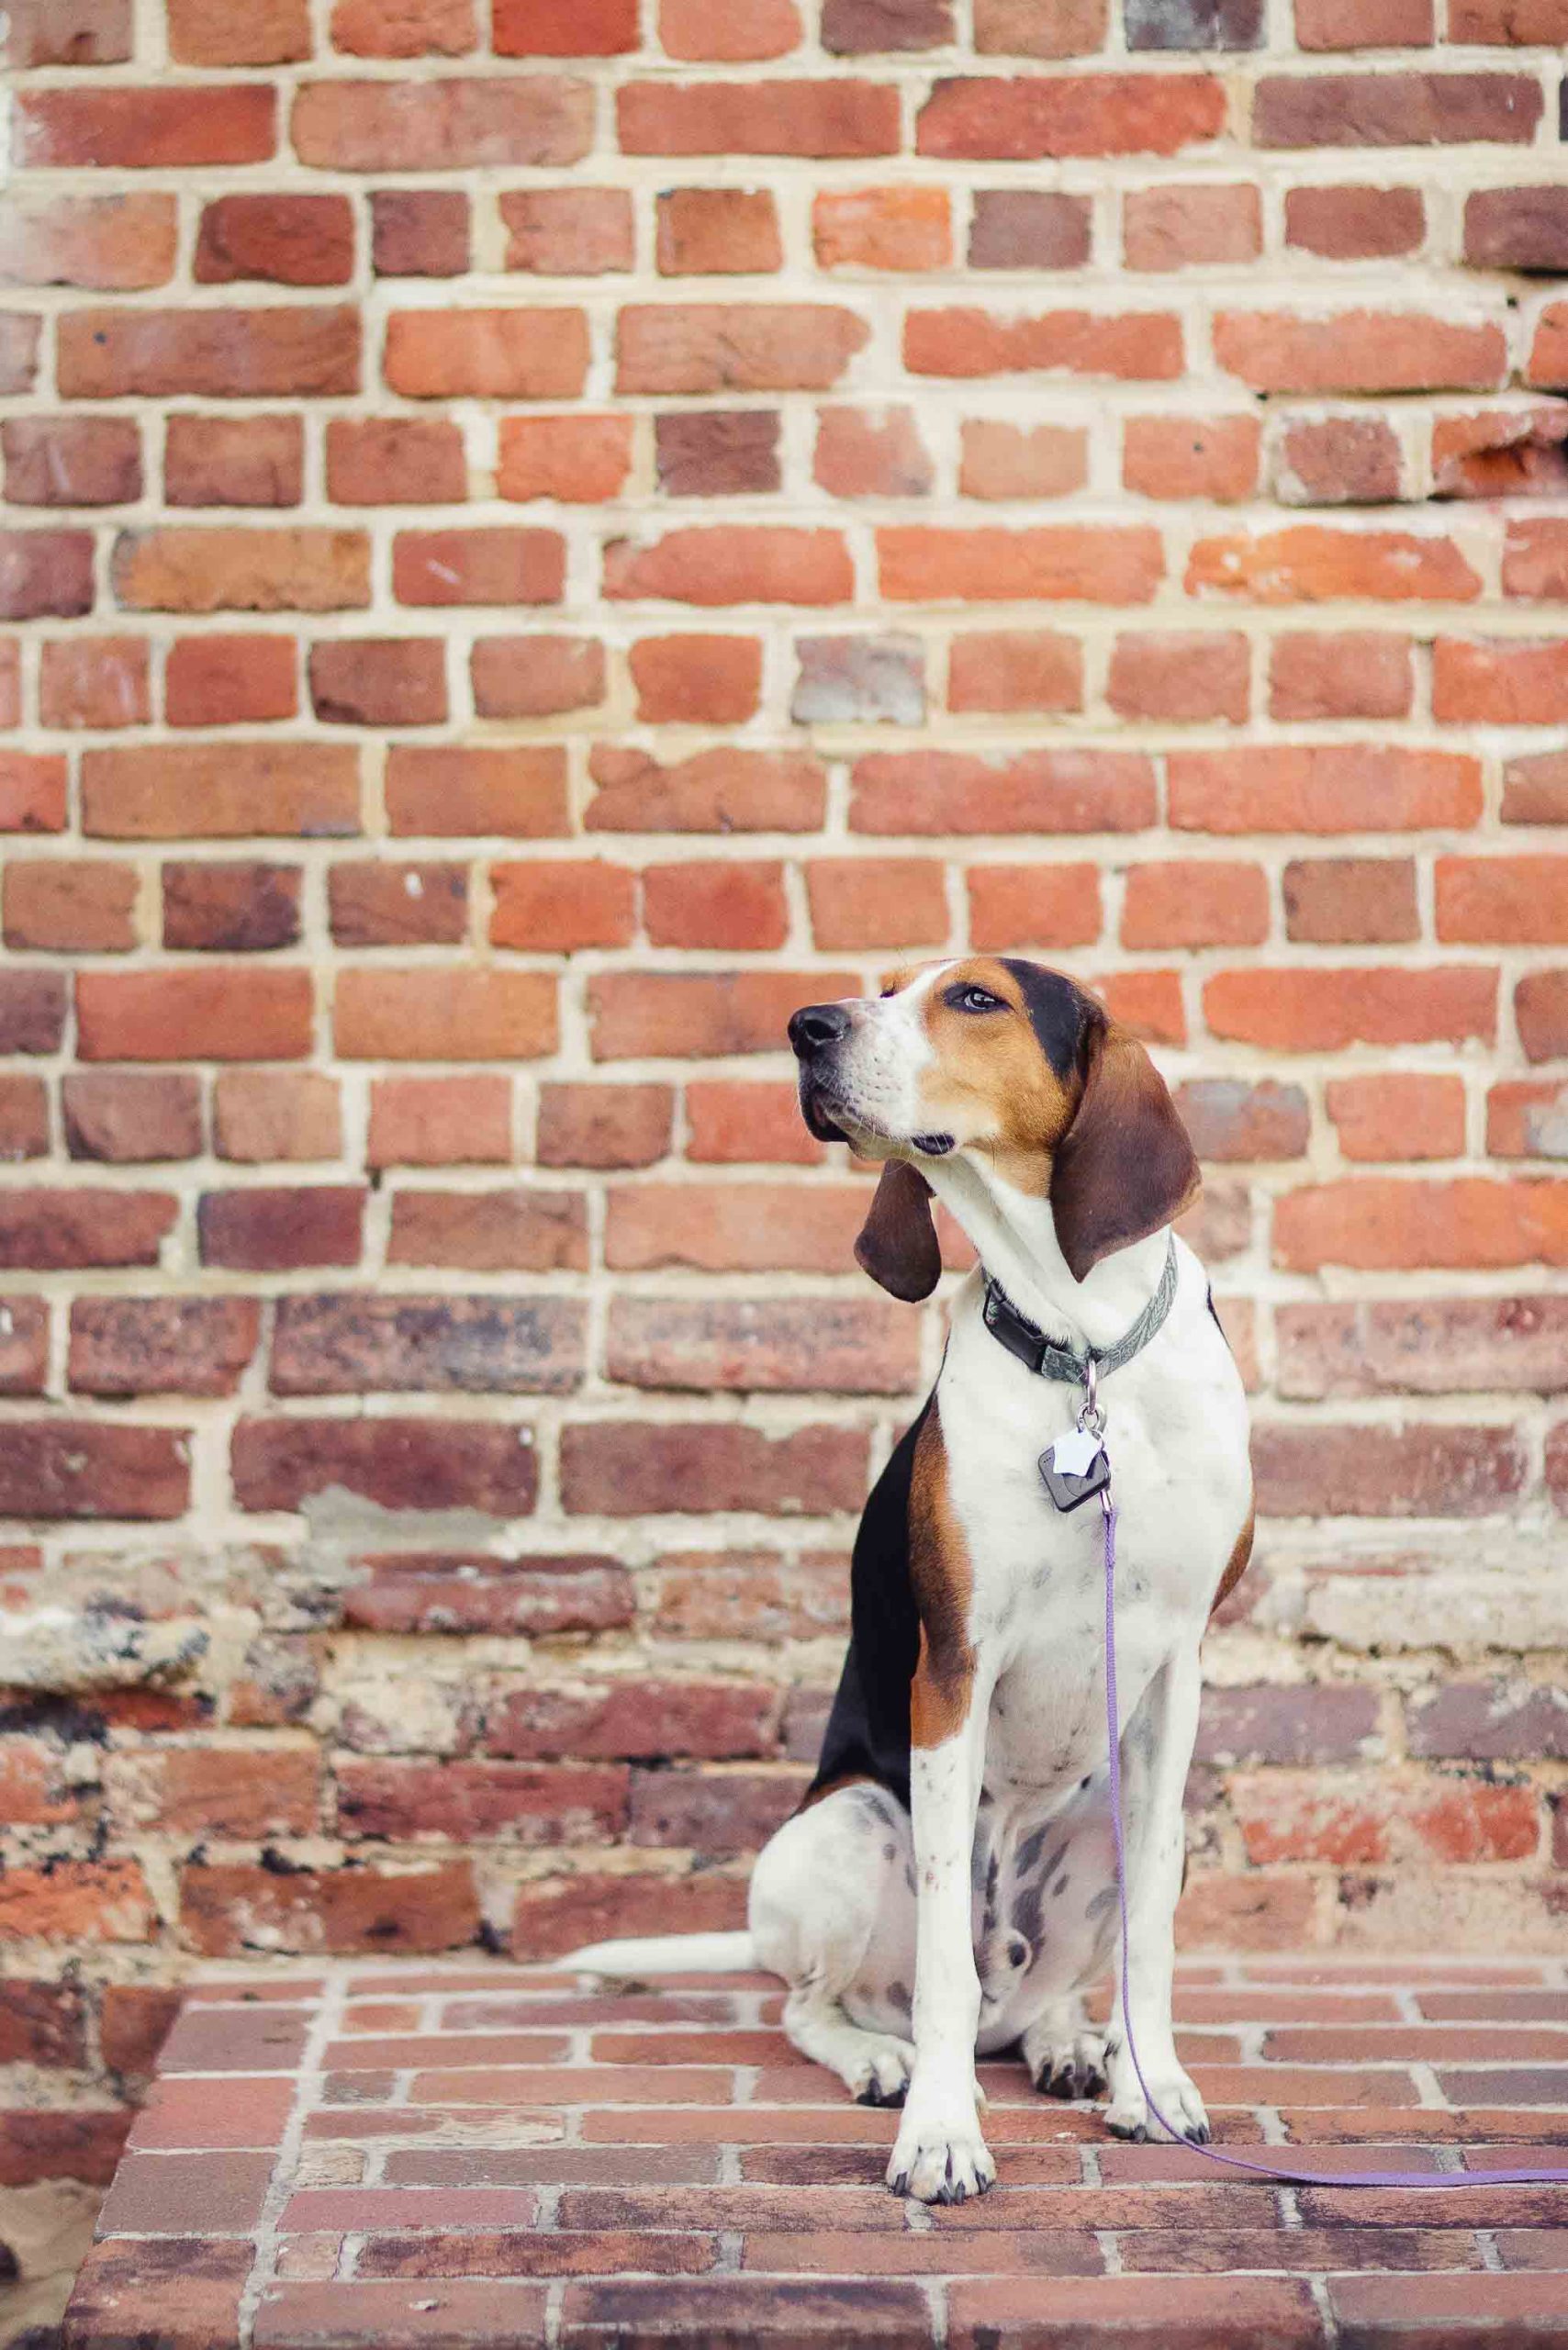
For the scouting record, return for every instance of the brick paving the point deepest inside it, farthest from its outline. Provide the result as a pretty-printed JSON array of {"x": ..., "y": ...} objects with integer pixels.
[{"x": 462, "y": 2157}]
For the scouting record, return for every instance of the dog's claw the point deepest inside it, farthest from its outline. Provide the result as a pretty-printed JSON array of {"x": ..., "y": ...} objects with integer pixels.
[{"x": 874, "y": 2094}]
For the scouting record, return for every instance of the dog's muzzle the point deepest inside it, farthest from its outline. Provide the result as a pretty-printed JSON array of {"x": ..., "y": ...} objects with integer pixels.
[{"x": 817, "y": 1034}]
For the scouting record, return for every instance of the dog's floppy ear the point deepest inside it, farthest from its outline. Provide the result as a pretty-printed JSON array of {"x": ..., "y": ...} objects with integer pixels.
[
  {"x": 897, "y": 1240},
  {"x": 1124, "y": 1166}
]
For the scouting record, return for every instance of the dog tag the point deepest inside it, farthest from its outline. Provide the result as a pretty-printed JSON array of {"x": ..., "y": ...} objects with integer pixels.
[{"x": 1075, "y": 1469}]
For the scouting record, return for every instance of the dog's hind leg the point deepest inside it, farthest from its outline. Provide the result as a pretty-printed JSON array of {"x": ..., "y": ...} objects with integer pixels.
[
  {"x": 833, "y": 1912},
  {"x": 1066, "y": 2057}
]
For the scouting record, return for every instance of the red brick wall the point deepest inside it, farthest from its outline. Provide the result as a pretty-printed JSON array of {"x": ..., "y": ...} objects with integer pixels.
[{"x": 538, "y": 543}]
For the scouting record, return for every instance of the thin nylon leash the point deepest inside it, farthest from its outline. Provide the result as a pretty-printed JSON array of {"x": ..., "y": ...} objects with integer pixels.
[{"x": 1445, "y": 2179}]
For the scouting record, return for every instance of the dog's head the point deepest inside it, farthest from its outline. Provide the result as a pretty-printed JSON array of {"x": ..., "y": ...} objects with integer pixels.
[{"x": 1014, "y": 1065}]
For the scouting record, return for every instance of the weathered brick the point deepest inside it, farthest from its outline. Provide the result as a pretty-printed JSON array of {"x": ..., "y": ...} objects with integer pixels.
[
  {"x": 490, "y": 1231},
  {"x": 426, "y": 1464},
  {"x": 439, "y": 1121},
  {"x": 302, "y": 349},
  {"x": 125, "y": 1115},
  {"x": 275, "y": 1229},
  {"x": 232, "y": 461},
  {"x": 472, "y": 123},
  {"x": 72, "y": 460},
  {"x": 864, "y": 1347},
  {"x": 1409, "y": 110},
  {"x": 628, "y": 1469},
  {"x": 1023, "y": 120},
  {"x": 63, "y": 905},
  {"x": 419, "y": 232},
  {"x": 188, "y": 1345},
  {"x": 348, "y": 1343},
  {"x": 771, "y": 117},
  {"x": 567, "y": 232}
]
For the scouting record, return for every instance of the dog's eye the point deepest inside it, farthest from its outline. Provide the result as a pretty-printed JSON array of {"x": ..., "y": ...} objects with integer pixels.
[{"x": 973, "y": 999}]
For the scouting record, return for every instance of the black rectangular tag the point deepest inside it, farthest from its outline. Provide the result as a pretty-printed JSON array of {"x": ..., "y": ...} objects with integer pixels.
[{"x": 1070, "y": 1492}]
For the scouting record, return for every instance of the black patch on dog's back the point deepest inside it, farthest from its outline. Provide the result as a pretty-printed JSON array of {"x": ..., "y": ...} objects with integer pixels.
[{"x": 868, "y": 1728}]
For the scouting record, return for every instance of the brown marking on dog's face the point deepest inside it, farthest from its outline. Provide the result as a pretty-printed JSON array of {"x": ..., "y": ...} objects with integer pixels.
[
  {"x": 1008, "y": 1077},
  {"x": 943, "y": 1581},
  {"x": 1236, "y": 1566}
]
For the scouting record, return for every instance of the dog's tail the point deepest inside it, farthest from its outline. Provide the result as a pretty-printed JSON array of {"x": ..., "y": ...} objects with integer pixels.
[{"x": 666, "y": 1954}]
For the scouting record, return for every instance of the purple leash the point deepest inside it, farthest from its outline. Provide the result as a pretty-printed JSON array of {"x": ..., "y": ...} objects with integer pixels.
[{"x": 1236, "y": 2162}]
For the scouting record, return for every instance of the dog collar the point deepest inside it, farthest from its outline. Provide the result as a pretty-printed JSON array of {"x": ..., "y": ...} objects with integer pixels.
[{"x": 1049, "y": 1360}]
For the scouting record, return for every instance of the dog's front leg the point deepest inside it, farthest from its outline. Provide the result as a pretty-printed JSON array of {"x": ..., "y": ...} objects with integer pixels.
[
  {"x": 940, "y": 2154},
  {"x": 1157, "y": 1749}
]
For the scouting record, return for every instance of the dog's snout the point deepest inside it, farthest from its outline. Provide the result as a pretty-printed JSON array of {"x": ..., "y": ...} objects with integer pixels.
[{"x": 816, "y": 1025}]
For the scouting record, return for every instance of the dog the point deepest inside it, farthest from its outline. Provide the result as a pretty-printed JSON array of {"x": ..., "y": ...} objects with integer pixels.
[{"x": 947, "y": 1885}]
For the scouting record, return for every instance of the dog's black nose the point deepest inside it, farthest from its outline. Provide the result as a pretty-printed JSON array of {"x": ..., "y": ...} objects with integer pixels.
[{"x": 816, "y": 1025}]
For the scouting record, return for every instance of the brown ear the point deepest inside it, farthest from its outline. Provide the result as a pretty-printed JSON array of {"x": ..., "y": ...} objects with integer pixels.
[
  {"x": 897, "y": 1240},
  {"x": 1124, "y": 1166}
]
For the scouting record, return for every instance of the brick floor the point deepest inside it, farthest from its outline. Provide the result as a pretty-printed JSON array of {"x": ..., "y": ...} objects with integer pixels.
[{"x": 461, "y": 2158}]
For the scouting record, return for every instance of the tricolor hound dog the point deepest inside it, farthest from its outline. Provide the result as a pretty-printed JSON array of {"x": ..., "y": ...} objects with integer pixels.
[{"x": 957, "y": 1838}]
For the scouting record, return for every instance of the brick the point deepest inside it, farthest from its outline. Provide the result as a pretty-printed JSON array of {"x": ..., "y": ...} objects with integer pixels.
[
  {"x": 715, "y": 904},
  {"x": 134, "y": 2022},
  {"x": 729, "y": 1227},
  {"x": 1548, "y": 364},
  {"x": 1376, "y": 1221},
  {"x": 762, "y": 1346},
  {"x": 770, "y": 116},
  {"x": 1320, "y": 788},
  {"x": 1487, "y": 1721},
  {"x": 1491, "y": 451},
  {"x": 556, "y": 906},
  {"x": 231, "y": 461},
  {"x": 1541, "y": 1012},
  {"x": 1194, "y": 903},
  {"x": 882, "y": 229},
  {"x": 439, "y": 1121},
  {"x": 1355, "y": 222},
  {"x": 623, "y": 1468},
  {"x": 871, "y": 452},
  {"x": 280, "y": 1230},
  {"x": 881, "y": 903},
  {"x": 603, "y": 1125},
  {"x": 399, "y": 1463},
  {"x": 719, "y": 452},
  {"x": 1137, "y": 346},
  {"x": 1193, "y": 24},
  {"x": 395, "y": 460},
  {"x": 1000, "y": 460},
  {"x": 531, "y": 355},
  {"x": 1004, "y": 670},
  {"x": 1439, "y": 2308},
  {"x": 230, "y": 680},
  {"x": 65, "y": 905},
  {"x": 1535, "y": 560},
  {"x": 472, "y": 123},
  {"x": 286, "y": 239},
  {"x": 203, "y": 791},
  {"x": 855, "y": 28},
  {"x": 241, "y": 1792},
  {"x": 1039, "y": 28},
  {"x": 45, "y": 574},
  {"x": 564, "y": 28},
  {"x": 1034, "y": 906},
  {"x": 1081, "y": 563},
  {"x": 1342, "y": 24},
  {"x": 1339, "y": 673},
  {"x": 482, "y": 1802},
  {"x": 346, "y": 1344},
  {"x": 1512, "y": 900},
  {"x": 379, "y": 681},
  {"x": 231, "y": 909},
  {"x": 849, "y": 680},
  {"x": 72, "y": 460},
  {"x": 1188, "y": 227},
  {"x": 1518, "y": 228},
  {"x": 748, "y": 29},
  {"x": 739, "y": 1120},
  {"x": 228, "y": 1910},
  {"x": 24, "y": 1118},
  {"x": 1345, "y": 900},
  {"x": 740, "y": 565},
  {"x": 1180, "y": 675},
  {"x": 1215, "y": 457},
  {"x": 107, "y": 244},
  {"x": 697, "y": 680},
  {"x": 82, "y": 32},
  {"x": 1405, "y": 110},
  {"x": 32, "y": 1011},
  {"x": 419, "y": 232},
  {"x": 100, "y": 682},
  {"x": 536, "y": 677},
  {"x": 480, "y": 567},
  {"x": 568, "y": 232},
  {"x": 1053, "y": 791},
  {"x": 1227, "y": 1118},
  {"x": 122, "y": 128},
  {"x": 1323, "y": 1011},
  {"x": 1500, "y": 23},
  {"x": 616, "y": 1718},
  {"x": 417, "y": 28},
  {"x": 125, "y": 1117},
  {"x": 456, "y": 1015},
  {"x": 1436, "y": 1471},
  {"x": 304, "y": 350},
  {"x": 438, "y": 1592},
  {"x": 1029, "y": 228},
  {"x": 1341, "y": 461},
  {"x": 988, "y": 117},
  {"x": 1500, "y": 681},
  {"x": 178, "y": 569},
  {"x": 671, "y": 347},
  {"x": 375, "y": 903},
  {"x": 185, "y": 1345},
  {"x": 42, "y": 2023},
  {"x": 217, "y": 1012},
  {"x": 490, "y": 1231},
  {"x": 451, "y": 793},
  {"x": 1428, "y": 1346},
  {"x": 262, "y": 1114},
  {"x": 706, "y": 232},
  {"x": 210, "y": 32},
  {"x": 688, "y": 1015},
  {"x": 79, "y": 1469},
  {"x": 1397, "y": 1115}
]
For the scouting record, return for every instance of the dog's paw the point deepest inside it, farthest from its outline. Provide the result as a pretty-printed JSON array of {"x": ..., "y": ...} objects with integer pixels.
[
  {"x": 938, "y": 2158},
  {"x": 1131, "y": 2115},
  {"x": 1065, "y": 2064},
  {"x": 880, "y": 2076}
]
